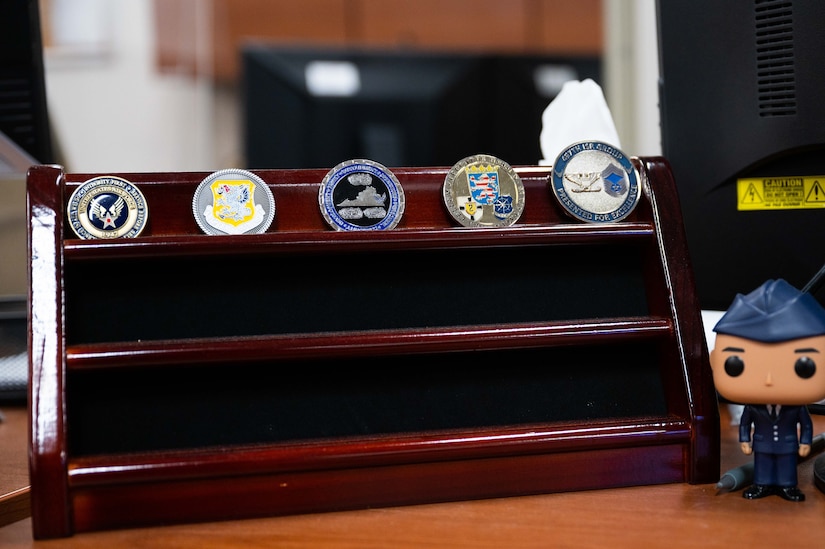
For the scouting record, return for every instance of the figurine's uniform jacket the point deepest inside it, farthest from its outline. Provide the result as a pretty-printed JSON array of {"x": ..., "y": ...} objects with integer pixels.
[{"x": 775, "y": 441}]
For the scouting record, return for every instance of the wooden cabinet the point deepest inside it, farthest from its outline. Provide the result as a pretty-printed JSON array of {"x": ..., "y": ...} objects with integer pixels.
[
  {"x": 182, "y": 377},
  {"x": 207, "y": 38}
]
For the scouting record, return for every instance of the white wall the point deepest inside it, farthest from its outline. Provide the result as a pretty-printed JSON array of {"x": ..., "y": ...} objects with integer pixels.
[
  {"x": 632, "y": 74},
  {"x": 111, "y": 111}
]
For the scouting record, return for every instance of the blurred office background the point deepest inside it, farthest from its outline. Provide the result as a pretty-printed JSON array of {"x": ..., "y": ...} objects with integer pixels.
[{"x": 156, "y": 85}]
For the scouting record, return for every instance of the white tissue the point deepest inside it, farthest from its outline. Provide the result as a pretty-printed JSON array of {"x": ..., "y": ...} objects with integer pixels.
[{"x": 578, "y": 113}]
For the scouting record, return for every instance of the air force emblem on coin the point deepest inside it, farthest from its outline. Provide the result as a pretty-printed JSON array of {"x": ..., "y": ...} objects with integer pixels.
[
  {"x": 359, "y": 195},
  {"x": 107, "y": 207},
  {"x": 233, "y": 201},
  {"x": 483, "y": 191},
  {"x": 595, "y": 182}
]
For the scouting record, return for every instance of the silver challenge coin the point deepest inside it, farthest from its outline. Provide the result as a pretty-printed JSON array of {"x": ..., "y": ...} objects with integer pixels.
[
  {"x": 361, "y": 195},
  {"x": 595, "y": 182},
  {"x": 483, "y": 191},
  {"x": 107, "y": 207},
  {"x": 232, "y": 202}
]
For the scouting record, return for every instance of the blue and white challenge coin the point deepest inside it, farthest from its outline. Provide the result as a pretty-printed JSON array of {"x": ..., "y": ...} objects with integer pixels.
[
  {"x": 107, "y": 207},
  {"x": 361, "y": 195},
  {"x": 595, "y": 182},
  {"x": 483, "y": 191},
  {"x": 232, "y": 202}
]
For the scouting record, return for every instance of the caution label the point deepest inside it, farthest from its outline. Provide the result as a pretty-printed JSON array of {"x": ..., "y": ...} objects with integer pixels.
[{"x": 781, "y": 193}]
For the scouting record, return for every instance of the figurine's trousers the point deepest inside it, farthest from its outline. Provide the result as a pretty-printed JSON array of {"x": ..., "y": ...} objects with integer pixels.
[{"x": 774, "y": 469}]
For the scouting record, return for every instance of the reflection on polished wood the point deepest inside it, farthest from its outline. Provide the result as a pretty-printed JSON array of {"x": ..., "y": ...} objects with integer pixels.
[{"x": 669, "y": 515}]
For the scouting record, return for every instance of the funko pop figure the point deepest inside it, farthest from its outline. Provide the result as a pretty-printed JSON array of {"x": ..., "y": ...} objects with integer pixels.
[{"x": 770, "y": 356}]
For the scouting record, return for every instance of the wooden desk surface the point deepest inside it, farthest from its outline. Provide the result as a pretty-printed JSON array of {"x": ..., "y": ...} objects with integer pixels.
[
  {"x": 673, "y": 515},
  {"x": 14, "y": 466}
]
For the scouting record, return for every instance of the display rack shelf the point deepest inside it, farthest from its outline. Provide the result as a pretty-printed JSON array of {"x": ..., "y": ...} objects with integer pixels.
[{"x": 183, "y": 377}]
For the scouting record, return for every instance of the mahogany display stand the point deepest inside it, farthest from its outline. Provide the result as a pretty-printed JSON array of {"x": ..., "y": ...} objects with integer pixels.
[{"x": 181, "y": 377}]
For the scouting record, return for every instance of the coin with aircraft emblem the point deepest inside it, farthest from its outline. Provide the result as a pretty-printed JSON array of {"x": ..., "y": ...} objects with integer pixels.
[{"x": 232, "y": 202}]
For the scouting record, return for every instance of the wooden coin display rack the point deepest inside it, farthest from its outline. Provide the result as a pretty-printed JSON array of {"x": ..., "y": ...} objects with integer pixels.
[{"x": 182, "y": 377}]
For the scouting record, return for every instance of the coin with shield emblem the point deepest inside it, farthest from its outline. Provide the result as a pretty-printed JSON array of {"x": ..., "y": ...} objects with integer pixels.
[
  {"x": 483, "y": 191},
  {"x": 595, "y": 182},
  {"x": 232, "y": 202}
]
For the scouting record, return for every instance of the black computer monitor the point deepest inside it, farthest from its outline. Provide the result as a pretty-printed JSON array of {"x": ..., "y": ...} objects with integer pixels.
[
  {"x": 315, "y": 107},
  {"x": 741, "y": 99},
  {"x": 24, "y": 139},
  {"x": 23, "y": 112},
  {"x": 521, "y": 86}
]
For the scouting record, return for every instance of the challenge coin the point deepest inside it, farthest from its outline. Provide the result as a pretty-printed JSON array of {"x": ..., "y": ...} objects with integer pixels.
[
  {"x": 233, "y": 201},
  {"x": 595, "y": 182},
  {"x": 107, "y": 207},
  {"x": 483, "y": 191},
  {"x": 361, "y": 195}
]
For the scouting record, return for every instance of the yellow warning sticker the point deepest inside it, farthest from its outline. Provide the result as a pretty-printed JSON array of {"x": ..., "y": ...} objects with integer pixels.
[{"x": 780, "y": 193}]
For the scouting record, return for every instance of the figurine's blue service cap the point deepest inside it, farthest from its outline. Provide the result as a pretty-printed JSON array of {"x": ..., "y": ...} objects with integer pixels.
[{"x": 776, "y": 311}]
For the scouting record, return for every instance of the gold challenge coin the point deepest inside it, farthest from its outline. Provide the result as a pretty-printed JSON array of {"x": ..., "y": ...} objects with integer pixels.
[{"x": 483, "y": 191}]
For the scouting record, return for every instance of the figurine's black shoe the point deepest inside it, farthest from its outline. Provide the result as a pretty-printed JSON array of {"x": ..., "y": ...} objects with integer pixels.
[
  {"x": 791, "y": 494},
  {"x": 757, "y": 491}
]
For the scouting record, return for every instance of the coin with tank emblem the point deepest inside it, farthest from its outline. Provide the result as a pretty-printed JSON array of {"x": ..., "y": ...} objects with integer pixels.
[
  {"x": 595, "y": 182},
  {"x": 361, "y": 195},
  {"x": 232, "y": 202},
  {"x": 483, "y": 191},
  {"x": 107, "y": 207}
]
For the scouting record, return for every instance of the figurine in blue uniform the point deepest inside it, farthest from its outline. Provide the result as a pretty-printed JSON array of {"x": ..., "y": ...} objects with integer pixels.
[{"x": 770, "y": 356}]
